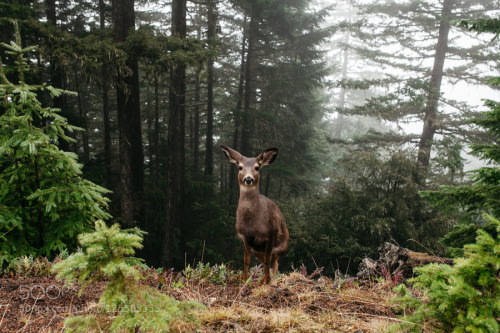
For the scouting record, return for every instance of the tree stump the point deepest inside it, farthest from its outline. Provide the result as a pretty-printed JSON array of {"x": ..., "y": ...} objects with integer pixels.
[{"x": 396, "y": 262}]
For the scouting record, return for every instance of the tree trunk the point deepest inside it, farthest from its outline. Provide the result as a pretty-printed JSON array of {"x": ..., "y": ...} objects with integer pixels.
[
  {"x": 56, "y": 71},
  {"x": 83, "y": 116},
  {"x": 249, "y": 101},
  {"x": 175, "y": 139},
  {"x": 237, "y": 112},
  {"x": 209, "y": 145},
  {"x": 396, "y": 262},
  {"x": 268, "y": 182},
  {"x": 156, "y": 131},
  {"x": 129, "y": 122},
  {"x": 431, "y": 110},
  {"x": 105, "y": 105},
  {"x": 196, "y": 123},
  {"x": 340, "y": 118}
]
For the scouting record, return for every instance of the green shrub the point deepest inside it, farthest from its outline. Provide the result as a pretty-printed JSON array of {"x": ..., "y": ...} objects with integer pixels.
[
  {"x": 107, "y": 253},
  {"x": 464, "y": 297}
]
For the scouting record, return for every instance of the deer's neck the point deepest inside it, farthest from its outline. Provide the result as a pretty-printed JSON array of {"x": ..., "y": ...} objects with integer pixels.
[{"x": 249, "y": 195}]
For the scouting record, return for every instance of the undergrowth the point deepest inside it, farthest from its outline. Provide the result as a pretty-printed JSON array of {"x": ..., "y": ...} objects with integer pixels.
[
  {"x": 460, "y": 298},
  {"x": 125, "y": 304}
]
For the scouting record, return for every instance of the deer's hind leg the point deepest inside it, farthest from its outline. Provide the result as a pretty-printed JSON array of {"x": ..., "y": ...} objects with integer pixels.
[
  {"x": 267, "y": 271},
  {"x": 274, "y": 260}
]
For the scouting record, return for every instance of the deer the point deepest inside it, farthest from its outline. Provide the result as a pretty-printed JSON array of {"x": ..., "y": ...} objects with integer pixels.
[{"x": 259, "y": 222}]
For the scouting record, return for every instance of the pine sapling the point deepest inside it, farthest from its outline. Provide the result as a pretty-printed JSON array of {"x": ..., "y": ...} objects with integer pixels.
[
  {"x": 107, "y": 253},
  {"x": 44, "y": 200},
  {"x": 460, "y": 298}
]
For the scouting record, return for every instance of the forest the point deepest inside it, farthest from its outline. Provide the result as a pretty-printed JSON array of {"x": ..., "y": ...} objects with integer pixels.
[{"x": 385, "y": 114}]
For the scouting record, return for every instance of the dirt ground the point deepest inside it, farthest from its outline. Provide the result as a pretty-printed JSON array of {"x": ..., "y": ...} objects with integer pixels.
[
  {"x": 42, "y": 304},
  {"x": 292, "y": 303}
]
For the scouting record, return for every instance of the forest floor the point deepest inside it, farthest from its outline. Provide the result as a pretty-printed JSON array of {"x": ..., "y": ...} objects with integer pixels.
[{"x": 291, "y": 303}]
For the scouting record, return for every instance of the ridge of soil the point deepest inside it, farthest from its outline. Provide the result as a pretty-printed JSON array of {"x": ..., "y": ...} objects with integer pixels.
[{"x": 291, "y": 303}]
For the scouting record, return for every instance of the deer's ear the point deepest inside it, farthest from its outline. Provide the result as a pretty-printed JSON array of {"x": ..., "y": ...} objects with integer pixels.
[
  {"x": 232, "y": 155},
  {"x": 268, "y": 156}
]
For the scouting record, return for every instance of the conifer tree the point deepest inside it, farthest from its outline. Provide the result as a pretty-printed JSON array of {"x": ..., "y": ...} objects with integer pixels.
[
  {"x": 108, "y": 253},
  {"x": 465, "y": 297},
  {"x": 44, "y": 201},
  {"x": 419, "y": 53},
  {"x": 482, "y": 194},
  {"x": 459, "y": 298}
]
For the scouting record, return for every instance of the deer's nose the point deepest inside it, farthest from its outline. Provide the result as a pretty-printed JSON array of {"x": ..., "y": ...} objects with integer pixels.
[{"x": 248, "y": 180}]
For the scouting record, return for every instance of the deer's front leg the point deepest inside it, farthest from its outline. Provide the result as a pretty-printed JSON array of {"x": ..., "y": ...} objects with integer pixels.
[
  {"x": 246, "y": 260},
  {"x": 267, "y": 263}
]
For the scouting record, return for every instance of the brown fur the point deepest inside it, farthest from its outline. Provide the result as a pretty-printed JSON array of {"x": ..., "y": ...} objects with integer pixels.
[{"x": 259, "y": 222}]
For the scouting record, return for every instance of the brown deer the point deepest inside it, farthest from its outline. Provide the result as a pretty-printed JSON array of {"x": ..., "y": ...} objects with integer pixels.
[{"x": 259, "y": 221}]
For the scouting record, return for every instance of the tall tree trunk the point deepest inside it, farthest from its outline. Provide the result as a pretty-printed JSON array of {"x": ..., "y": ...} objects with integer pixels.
[
  {"x": 249, "y": 101},
  {"x": 431, "y": 109},
  {"x": 175, "y": 139},
  {"x": 56, "y": 71},
  {"x": 237, "y": 111},
  {"x": 268, "y": 183},
  {"x": 40, "y": 222},
  {"x": 129, "y": 122},
  {"x": 83, "y": 116},
  {"x": 345, "y": 63},
  {"x": 280, "y": 188},
  {"x": 105, "y": 104},
  {"x": 196, "y": 122},
  {"x": 156, "y": 131},
  {"x": 209, "y": 145}
]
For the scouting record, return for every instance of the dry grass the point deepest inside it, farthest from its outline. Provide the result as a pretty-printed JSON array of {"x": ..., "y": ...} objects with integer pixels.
[{"x": 293, "y": 303}]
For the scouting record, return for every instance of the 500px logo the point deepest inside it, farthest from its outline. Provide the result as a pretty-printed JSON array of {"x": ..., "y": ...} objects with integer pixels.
[{"x": 37, "y": 292}]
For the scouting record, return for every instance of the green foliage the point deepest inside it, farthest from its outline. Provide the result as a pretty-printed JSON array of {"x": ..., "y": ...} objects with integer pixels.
[
  {"x": 196, "y": 276},
  {"x": 462, "y": 234},
  {"x": 108, "y": 253},
  {"x": 370, "y": 200},
  {"x": 206, "y": 274},
  {"x": 491, "y": 25},
  {"x": 44, "y": 201},
  {"x": 460, "y": 298}
]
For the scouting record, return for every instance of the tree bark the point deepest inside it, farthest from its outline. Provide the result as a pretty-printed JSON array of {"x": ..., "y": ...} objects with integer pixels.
[
  {"x": 105, "y": 105},
  {"x": 345, "y": 64},
  {"x": 156, "y": 131},
  {"x": 249, "y": 100},
  {"x": 175, "y": 139},
  {"x": 268, "y": 183},
  {"x": 209, "y": 145},
  {"x": 237, "y": 111},
  {"x": 129, "y": 122},
  {"x": 56, "y": 71},
  {"x": 196, "y": 123},
  {"x": 431, "y": 110},
  {"x": 83, "y": 116}
]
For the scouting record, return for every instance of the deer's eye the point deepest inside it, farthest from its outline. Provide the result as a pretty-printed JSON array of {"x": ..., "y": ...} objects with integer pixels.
[
  {"x": 240, "y": 168},
  {"x": 257, "y": 168}
]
